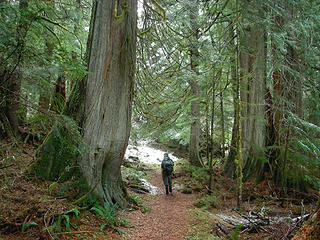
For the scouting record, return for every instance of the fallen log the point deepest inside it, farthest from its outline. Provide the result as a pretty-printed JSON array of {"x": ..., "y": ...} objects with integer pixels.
[{"x": 279, "y": 227}]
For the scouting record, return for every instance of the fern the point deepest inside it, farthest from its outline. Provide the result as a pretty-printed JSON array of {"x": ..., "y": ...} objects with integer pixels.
[
  {"x": 235, "y": 234},
  {"x": 65, "y": 219},
  {"x": 27, "y": 225},
  {"x": 110, "y": 214}
]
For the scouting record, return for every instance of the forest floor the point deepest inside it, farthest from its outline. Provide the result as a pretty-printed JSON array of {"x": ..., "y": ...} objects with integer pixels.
[{"x": 31, "y": 209}]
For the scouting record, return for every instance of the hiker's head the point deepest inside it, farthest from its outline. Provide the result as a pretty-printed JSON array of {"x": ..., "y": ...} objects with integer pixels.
[{"x": 166, "y": 155}]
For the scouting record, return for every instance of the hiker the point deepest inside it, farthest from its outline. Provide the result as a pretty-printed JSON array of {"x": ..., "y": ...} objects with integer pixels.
[{"x": 167, "y": 171}]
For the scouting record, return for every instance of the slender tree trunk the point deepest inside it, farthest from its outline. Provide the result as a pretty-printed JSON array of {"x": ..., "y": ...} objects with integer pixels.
[
  {"x": 195, "y": 104},
  {"x": 46, "y": 89},
  {"x": 212, "y": 122},
  {"x": 207, "y": 135},
  {"x": 238, "y": 161},
  {"x": 222, "y": 125},
  {"x": 107, "y": 98},
  {"x": 229, "y": 167},
  {"x": 59, "y": 95},
  {"x": 211, "y": 136}
]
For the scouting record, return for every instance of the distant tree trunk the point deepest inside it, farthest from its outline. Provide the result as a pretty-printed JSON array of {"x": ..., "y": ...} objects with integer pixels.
[
  {"x": 46, "y": 92},
  {"x": 12, "y": 81},
  {"x": 238, "y": 161},
  {"x": 195, "y": 104},
  {"x": 286, "y": 98},
  {"x": 253, "y": 91},
  {"x": 211, "y": 136},
  {"x": 107, "y": 97},
  {"x": 208, "y": 135},
  {"x": 222, "y": 125},
  {"x": 59, "y": 95},
  {"x": 229, "y": 167},
  {"x": 212, "y": 122}
]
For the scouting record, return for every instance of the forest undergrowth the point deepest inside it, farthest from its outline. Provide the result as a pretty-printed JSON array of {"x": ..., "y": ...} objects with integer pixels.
[{"x": 32, "y": 209}]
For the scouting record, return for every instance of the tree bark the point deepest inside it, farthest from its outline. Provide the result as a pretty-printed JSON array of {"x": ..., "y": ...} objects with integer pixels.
[
  {"x": 109, "y": 96},
  {"x": 229, "y": 167},
  {"x": 194, "y": 147},
  {"x": 222, "y": 125},
  {"x": 12, "y": 81},
  {"x": 286, "y": 98},
  {"x": 253, "y": 91},
  {"x": 106, "y": 95}
]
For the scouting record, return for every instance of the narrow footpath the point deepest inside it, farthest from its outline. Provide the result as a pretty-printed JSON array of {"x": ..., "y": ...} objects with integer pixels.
[{"x": 167, "y": 218}]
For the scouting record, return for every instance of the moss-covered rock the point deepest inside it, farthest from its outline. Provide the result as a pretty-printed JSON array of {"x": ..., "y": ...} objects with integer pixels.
[{"x": 56, "y": 157}]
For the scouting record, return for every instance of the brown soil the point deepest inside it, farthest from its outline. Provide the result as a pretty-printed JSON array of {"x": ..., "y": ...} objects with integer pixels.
[{"x": 167, "y": 218}]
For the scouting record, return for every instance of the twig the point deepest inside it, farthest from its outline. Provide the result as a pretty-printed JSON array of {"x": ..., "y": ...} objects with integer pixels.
[
  {"x": 301, "y": 220},
  {"x": 222, "y": 228},
  {"x": 7, "y": 166},
  {"x": 45, "y": 224},
  {"x": 65, "y": 233}
]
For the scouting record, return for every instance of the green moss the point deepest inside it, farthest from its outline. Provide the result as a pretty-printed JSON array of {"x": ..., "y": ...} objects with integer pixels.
[
  {"x": 186, "y": 190},
  {"x": 206, "y": 202},
  {"x": 55, "y": 158},
  {"x": 200, "y": 225}
]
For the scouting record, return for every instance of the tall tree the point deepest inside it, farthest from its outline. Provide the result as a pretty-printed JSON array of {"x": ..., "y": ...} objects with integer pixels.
[
  {"x": 194, "y": 145},
  {"x": 11, "y": 75},
  {"x": 253, "y": 87},
  {"x": 287, "y": 92},
  {"x": 106, "y": 95},
  {"x": 229, "y": 167}
]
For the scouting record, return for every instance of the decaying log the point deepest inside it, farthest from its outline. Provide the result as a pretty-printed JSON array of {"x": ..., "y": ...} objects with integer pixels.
[{"x": 255, "y": 222}]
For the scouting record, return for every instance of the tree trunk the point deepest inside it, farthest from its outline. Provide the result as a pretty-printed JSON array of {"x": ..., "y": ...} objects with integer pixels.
[
  {"x": 195, "y": 104},
  {"x": 59, "y": 95},
  {"x": 12, "y": 82},
  {"x": 107, "y": 97},
  {"x": 253, "y": 91},
  {"x": 229, "y": 167},
  {"x": 222, "y": 125},
  {"x": 212, "y": 122},
  {"x": 286, "y": 98},
  {"x": 46, "y": 89},
  {"x": 238, "y": 161}
]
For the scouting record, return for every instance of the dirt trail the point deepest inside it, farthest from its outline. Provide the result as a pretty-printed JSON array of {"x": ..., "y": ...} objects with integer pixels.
[{"x": 167, "y": 218}]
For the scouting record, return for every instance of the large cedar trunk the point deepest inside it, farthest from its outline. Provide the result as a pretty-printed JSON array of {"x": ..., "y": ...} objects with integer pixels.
[
  {"x": 109, "y": 96},
  {"x": 253, "y": 91},
  {"x": 106, "y": 96}
]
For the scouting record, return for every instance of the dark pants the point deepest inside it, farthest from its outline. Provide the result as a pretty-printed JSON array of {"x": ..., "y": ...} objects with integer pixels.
[{"x": 167, "y": 180}]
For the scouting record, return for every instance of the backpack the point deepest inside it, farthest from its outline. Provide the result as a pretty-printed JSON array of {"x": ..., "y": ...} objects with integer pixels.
[{"x": 167, "y": 166}]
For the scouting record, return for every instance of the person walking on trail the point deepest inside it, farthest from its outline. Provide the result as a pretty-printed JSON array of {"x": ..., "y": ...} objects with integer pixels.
[{"x": 167, "y": 171}]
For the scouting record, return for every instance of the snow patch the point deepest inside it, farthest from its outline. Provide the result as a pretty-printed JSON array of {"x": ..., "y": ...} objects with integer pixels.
[{"x": 146, "y": 154}]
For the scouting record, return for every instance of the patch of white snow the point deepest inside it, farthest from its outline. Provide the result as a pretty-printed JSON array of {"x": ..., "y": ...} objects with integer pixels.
[{"x": 146, "y": 154}]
